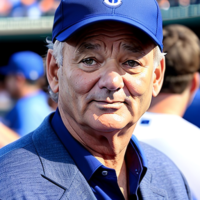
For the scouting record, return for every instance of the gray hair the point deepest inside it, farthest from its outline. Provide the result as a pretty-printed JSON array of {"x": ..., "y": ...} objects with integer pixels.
[
  {"x": 158, "y": 56},
  {"x": 58, "y": 55},
  {"x": 57, "y": 48}
]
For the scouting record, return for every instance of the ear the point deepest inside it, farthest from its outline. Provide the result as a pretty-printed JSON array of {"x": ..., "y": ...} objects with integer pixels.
[
  {"x": 158, "y": 77},
  {"x": 52, "y": 71},
  {"x": 194, "y": 85}
]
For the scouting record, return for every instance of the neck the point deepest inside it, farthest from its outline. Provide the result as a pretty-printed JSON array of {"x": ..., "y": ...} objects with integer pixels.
[
  {"x": 175, "y": 104},
  {"x": 108, "y": 147}
]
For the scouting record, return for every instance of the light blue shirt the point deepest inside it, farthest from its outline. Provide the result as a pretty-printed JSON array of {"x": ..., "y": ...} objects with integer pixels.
[{"x": 28, "y": 113}]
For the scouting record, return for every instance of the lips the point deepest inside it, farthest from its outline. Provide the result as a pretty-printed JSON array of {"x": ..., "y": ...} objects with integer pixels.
[
  {"x": 109, "y": 104},
  {"x": 109, "y": 101}
]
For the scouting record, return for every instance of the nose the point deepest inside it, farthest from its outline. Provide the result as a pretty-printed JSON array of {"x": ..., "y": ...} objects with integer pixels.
[{"x": 111, "y": 80}]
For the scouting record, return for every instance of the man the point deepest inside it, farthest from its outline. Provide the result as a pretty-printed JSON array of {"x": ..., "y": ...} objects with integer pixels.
[
  {"x": 103, "y": 69},
  {"x": 23, "y": 75},
  {"x": 6, "y": 135},
  {"x": 163, "y": 126},
  {"x": 192, "y": 114},
  {"x": 5, "y": 99}
]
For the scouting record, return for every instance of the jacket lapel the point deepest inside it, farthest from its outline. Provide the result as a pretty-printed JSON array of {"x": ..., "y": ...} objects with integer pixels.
[
  {"x": 58, "y": 166},
  {"x": 149, "y": 191}
]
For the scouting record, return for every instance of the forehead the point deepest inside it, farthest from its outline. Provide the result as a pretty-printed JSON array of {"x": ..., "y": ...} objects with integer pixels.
[{"x": 111, "y": 30}]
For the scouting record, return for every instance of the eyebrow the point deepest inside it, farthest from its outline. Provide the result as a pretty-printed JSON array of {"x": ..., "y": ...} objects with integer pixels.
[
  {"x": 133, "y": 48},
  {"x": 87, "y": 46}
]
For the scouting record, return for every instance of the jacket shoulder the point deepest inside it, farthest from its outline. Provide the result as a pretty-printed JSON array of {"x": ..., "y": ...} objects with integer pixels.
[
  {"x": 22, "y": 172},
  {"x": 18, "y": 144},
  {"x": 164, "y": 174}
]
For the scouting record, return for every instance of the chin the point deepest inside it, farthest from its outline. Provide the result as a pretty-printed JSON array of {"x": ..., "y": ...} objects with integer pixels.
[{"x": 108, "y": 123}]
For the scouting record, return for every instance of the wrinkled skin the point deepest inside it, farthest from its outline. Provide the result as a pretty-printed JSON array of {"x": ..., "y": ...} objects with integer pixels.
[{"x": 105, "y": 85}]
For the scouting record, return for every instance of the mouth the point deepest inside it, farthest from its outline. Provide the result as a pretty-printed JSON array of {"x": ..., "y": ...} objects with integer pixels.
[{"x": 107, "y": 105}]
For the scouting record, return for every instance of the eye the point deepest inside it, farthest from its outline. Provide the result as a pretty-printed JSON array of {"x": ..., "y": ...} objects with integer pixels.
[
  {"x": 88, "y": 61},
  {"x": 131, "y": 63}
]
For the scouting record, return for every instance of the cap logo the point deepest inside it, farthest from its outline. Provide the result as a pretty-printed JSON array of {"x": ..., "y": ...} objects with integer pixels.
[
  {"x": 33, "y": 75},
  {"x": 113, "y": 3}
]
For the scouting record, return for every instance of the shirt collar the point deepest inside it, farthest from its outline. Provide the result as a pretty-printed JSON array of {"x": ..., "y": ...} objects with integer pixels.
[
  {"x": 134, "y": 142},
  {"x": 85, "y": 161}
]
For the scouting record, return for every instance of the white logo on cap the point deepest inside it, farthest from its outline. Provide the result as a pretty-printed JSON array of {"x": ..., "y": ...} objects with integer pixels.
[
  {"x": 113, "y": 3},
  {"x": 33, "y": 75}
]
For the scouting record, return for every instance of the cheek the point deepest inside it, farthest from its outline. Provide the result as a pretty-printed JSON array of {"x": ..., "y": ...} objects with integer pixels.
[
  {"x": 139, "y": 84},
  {"x": 80, "y": 81},
  {"x": 10, "y": 84}
]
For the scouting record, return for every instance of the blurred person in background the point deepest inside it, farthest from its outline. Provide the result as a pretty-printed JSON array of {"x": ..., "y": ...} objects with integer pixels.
[
  {"x": 28, "y": 8},
  {"x": 7, "y": 135},
  {"x": 173, "y": 3},
  {"x": 5, "y": 100},
  {"x": 5, "y": 8},
  {"x": 192, "y": 114},
  {"x": 23, "y": 74},
  {"x": 164, "y": 4},
  {"x": 163, "y": 126}
]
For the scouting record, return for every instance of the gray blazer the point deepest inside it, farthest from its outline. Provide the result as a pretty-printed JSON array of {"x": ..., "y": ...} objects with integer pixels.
[{"x": 38, "y": 167}]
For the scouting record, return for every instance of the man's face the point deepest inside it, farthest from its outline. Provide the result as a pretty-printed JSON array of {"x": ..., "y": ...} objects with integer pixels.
[
  {"x": 106, "y": 80},
  {"x": 12, "y": 86}
]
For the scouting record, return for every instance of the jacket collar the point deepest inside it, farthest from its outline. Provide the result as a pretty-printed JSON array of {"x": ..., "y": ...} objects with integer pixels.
[{"x": 58, "y": 166}]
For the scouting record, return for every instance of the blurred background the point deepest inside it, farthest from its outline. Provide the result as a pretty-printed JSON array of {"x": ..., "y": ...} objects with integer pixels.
[{"x": 26, "y": 24}]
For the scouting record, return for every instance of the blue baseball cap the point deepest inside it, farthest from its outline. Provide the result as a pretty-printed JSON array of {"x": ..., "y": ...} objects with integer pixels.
[
  {"x": 27, "y": 63},
  {"x": 72, "y": 15}
]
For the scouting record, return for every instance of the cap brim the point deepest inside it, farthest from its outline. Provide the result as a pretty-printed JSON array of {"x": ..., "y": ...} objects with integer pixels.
[{"x": 70, "y": 30}]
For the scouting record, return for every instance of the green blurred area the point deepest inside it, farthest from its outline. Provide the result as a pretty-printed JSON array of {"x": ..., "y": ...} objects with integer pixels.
[{"x": 187, "y": 15}]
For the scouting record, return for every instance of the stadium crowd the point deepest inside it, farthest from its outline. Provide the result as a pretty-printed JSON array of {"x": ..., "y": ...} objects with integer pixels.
[{"x": 37, "y": 8}]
